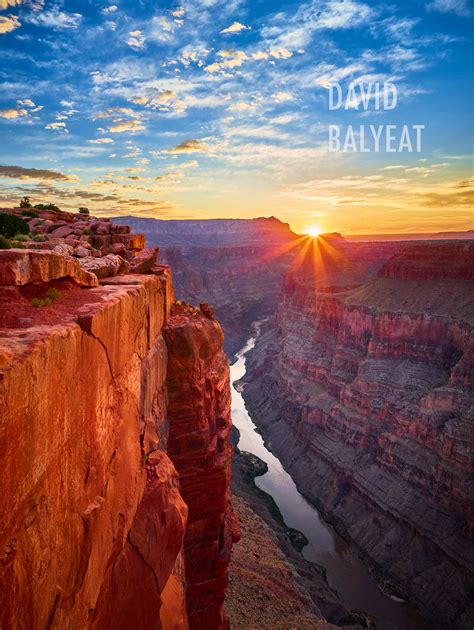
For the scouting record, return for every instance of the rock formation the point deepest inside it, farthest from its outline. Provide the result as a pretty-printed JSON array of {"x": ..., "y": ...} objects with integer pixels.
[
  {"x": 365, "y": 393},
  {"x": 114, "y": 505},
  {"x": 237, "y": 265}
]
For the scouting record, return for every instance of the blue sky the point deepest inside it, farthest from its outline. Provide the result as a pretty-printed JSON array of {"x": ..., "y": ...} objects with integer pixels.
[{"x": 208, "y": 108}]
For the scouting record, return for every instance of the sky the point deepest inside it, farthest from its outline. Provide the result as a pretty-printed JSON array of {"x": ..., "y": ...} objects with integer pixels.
[{"x": 220, "y": 108}]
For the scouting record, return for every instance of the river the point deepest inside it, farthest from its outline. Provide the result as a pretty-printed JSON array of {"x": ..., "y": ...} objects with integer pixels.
[{"x": 346, "y": 573}]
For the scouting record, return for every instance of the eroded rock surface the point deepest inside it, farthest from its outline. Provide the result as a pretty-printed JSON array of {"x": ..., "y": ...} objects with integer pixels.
[
  {"x": 94, "y": 526},
  {"x": 199, "y": 447},
  {"x": 366, "y": 396}
]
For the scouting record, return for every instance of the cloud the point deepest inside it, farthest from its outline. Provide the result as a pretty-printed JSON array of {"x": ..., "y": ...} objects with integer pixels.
[
  {"x": 459, "y": 7},
  {"x": 136, "y": 40},
  {"x": 101, "y": 141},
  {"x": 58, "y": 126},
  {"x": 56, "y": 19},
  {"x": 4, "y": 4},
  {"x": 165, "y": 100},
  {"x": 236, "y": 27},
  {"x": 18, "y": 172},
  {"x": 8, "y": 24},
  {"x": 13, "y": 113},
  {"x": 283, "y": 97},
  {"x": 123, "y": 126},
  {"x": 232, "y": 59},
  {"x": 242, "y": 106},
  {"x": 110, "y": 9},
  {"x": 188, "y": 146},
  {"x": 186, "y": 165},
  {"x": 296, "y": 30},
  {"x": 118, "y": 111}
]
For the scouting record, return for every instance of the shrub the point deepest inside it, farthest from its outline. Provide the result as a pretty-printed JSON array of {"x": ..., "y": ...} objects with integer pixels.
[
  {"x": 47, "y": 206},
  {"x": 11, "y": 225},
  {"x": 22, "y": 237},
  {"x": 83, "y": 210},
  {"x": 40, "y": 238},
  {"x": 25, "y": 203},
  {"x": 30, "y": 213},
  {"x": 4, "y": 243},
  {"x": 53, "y": 294},
  {"x": 88, "y": 232}
]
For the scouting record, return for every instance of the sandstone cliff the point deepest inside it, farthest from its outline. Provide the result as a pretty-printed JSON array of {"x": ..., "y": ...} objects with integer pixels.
[
  {"x": 366, "y": 396},
  {"x": 114, "y": 503}
]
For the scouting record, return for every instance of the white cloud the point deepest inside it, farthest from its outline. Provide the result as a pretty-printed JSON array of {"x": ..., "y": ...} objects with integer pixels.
[
  {"x": 283, "y": 97},
  {"x": 459, "y": 7},
  {"x": 136, "y": 40},
  {"x": 57, "y": 126},
  {"x": 110, "y": 9},
  {"x": 101, "y": 141},
  {"x": 236, "y": 27},
  {"x": 54, "y": 18}
]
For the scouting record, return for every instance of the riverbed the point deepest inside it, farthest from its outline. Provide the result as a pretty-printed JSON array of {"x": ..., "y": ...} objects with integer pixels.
[{"x": 346, "y": 572}]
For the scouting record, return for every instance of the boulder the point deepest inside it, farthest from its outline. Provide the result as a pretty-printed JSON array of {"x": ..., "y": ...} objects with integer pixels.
[
  {"x": 109, "y": 265},
  {"x": 64, "y": 249},
  {"x": 144, "y": 261},
  {"x": 62, "y": 232},
  {"x": 82, "y": 252},
  {"x": 21, "y": 266}
]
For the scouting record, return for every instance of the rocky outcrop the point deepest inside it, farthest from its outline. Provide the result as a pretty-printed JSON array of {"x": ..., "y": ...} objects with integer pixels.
[
  {"x": 200, "y": 425},
  {"x": 366, "y": 396},
  {"x": 98, "y": 477}
]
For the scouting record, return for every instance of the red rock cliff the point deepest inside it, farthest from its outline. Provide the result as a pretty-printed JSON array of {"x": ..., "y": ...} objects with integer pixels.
[
  {"x": 200, "y": 423},
  {"x": 94, "y": 528},
  {"x": 366, "y": 395}
]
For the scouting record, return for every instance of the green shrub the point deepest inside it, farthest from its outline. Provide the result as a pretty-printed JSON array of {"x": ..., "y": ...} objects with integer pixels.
[
  {"x": 53, "y": 293},
  {"x": 4, "y": 243},
  {"x": 37, "y": 302},
  {"x": 22, "y": 237},
  {"x": 88, "y": 232},
  {"x": 11, "y": 225},
  {"x": 40, "y": 238},
  {"x": 84, "y": 210},
  {"x": 25, "y": 203},
  {"x": 30, "y": 213},
  {"x": 47, "y": 206}
]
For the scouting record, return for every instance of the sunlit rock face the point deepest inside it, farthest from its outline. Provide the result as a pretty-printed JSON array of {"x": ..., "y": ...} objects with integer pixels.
[
  {"x": 200, "y": 424},
  {"x": 95, "y": 531},
  {"x": 366, "y": 394}
]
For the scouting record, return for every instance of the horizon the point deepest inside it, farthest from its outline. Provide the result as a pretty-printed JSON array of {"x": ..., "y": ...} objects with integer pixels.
[{"x": 214, "y": 110}]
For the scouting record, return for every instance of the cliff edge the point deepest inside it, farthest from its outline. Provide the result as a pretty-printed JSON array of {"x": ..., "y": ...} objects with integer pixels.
[{"x": 115, "y": 457}]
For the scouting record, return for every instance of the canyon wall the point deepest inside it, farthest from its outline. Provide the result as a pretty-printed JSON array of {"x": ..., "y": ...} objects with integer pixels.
[
  {"x": 237, "y": 265},
  {"x": 366, "y": 395},
  {"x": 114, "y": 505}
]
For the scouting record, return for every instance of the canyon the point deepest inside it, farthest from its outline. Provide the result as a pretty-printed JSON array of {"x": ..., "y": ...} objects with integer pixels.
[
  {"x": 116, "y": 504},
  {"x": 364, "y": 391}
]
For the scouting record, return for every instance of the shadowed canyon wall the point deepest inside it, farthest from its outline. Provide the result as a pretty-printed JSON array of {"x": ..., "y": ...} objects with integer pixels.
[
  {"x": 237, "y": 265},
  {"x": 115, "y": 500},
  {"x": 366, "y": 396}
]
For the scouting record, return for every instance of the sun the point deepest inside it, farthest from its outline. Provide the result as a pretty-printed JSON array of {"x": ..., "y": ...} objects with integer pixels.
[{"x": 314, "y": 231}]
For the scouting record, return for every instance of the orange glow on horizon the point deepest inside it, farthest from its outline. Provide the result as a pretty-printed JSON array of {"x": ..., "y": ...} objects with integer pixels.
[{"x": 314, "y": 231}]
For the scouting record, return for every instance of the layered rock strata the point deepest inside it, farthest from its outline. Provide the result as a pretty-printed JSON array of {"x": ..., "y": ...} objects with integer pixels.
[
  {"x": 366, "y": 396},
  {"x": 94, "y": 526},
  {"x": 200, "y": 425}
]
